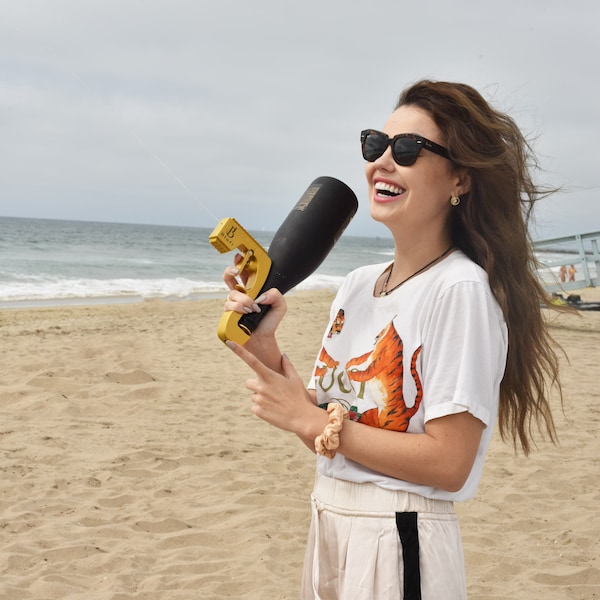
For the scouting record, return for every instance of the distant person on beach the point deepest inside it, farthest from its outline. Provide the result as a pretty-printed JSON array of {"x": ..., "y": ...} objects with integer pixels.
[
  {"x": 562, "y": 273},
  {"x": 572, "y": 272},
  {"x": 432, "y": 349}
]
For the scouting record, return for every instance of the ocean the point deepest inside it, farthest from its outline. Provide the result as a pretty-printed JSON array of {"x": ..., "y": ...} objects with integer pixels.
[{"x": 46, "y": 262}]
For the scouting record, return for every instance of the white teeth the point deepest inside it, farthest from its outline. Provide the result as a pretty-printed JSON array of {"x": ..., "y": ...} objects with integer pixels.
[{"x": 386, "y": 187}]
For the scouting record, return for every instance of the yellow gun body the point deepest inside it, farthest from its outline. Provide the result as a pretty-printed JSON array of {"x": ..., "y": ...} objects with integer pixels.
[{"x": 229, "y": 235}]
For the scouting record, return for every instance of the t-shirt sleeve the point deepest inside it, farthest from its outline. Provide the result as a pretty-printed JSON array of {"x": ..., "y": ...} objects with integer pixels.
[{"x": 464, "y": 353}]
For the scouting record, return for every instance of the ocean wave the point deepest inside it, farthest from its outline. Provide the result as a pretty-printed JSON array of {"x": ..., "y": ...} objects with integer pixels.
[{"x": 39, "y": 288}]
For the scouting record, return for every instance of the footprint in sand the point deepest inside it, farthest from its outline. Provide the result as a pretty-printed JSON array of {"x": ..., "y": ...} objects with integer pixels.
[{"x": 136, "y": 377}]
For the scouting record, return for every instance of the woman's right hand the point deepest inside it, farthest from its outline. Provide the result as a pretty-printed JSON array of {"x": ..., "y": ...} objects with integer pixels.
[{"x": 241, "y": 303}]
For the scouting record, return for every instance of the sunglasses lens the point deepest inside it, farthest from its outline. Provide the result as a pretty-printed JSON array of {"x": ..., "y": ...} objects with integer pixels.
[
  {"x": 374, "y": 145},
  {"x": 405, "y": 151}
]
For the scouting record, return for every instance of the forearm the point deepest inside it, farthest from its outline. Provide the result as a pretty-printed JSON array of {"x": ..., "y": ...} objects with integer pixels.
[
  {"x": 415, "y": 457},
  {"x": 406, "y": 456},
  {"x": 441, "y": 457},
  {"x": 266, "y": 349}
]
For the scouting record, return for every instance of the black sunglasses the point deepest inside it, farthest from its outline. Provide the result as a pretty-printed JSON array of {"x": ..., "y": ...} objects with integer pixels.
[{"x": 405, "y": 146}]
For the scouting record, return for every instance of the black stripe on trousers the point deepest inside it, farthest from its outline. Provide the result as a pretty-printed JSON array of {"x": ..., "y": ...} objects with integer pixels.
[{"x": 407, "y": 525}]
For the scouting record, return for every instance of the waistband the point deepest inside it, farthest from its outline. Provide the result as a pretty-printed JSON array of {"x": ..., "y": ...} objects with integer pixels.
[{"x": 368, "y": 497}]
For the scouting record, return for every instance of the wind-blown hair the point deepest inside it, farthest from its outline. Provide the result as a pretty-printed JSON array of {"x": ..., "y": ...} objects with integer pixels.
[{"x": 490, "y": 225}]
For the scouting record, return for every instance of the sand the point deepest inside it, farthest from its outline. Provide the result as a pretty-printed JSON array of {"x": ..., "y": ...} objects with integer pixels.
[{"x": 132, "y": 466}]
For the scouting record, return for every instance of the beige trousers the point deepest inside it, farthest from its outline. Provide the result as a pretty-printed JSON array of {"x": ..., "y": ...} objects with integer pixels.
[{"x": 369, "y": 543}]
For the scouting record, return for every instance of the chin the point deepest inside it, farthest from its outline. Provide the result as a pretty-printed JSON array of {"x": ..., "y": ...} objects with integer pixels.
[{"x": 383, "y": 213}]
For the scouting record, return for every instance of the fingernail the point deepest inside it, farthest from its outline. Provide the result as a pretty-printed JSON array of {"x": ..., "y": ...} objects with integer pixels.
[
  {"x": 230, "y": 344},
  {"x": 261, "y": 298},
  {"x": 256, "y": 307},
  {"x": 248, "y": 310},
  {"x": 234, "y": 271}
]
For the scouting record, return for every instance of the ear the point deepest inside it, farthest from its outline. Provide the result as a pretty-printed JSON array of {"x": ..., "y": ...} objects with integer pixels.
[{"x": 462, "y": 182}]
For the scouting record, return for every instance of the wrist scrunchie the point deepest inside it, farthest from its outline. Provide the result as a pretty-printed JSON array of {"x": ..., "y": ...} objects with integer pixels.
[{"x": 327, "y": 443}]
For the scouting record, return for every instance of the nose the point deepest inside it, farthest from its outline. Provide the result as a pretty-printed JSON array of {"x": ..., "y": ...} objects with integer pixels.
[
  {"x": 385, "y": 163},
  {"x": 386, "y": 160}
]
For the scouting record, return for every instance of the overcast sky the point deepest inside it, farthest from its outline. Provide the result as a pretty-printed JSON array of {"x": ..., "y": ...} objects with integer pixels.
[{"x": 181, "y": 112}]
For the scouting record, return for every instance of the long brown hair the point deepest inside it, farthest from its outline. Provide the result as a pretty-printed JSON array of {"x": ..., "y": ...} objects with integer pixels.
[{"x": 490, "y": 225}]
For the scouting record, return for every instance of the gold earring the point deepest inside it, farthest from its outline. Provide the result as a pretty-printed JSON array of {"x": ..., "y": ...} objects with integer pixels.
[{"x": 455, "y": 200}]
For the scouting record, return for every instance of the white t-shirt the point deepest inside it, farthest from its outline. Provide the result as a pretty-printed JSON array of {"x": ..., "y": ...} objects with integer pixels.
[{"x": 435, "y": 346}]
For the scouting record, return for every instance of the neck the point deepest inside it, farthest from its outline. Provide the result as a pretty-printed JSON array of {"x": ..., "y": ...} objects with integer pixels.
[
  {"x": 390, "y": 280},
  {"x": 409, "y": 256}
]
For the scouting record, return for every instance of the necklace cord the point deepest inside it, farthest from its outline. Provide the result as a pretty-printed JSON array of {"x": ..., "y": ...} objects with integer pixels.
[{"x": 385, "y": 292}]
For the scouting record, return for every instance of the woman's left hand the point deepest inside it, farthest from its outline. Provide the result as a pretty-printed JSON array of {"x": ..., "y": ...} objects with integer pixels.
[{"x": 281, "y": 399}]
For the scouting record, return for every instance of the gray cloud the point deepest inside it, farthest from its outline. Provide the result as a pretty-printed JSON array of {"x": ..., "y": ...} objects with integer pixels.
[{"x": 104, "y": 105}]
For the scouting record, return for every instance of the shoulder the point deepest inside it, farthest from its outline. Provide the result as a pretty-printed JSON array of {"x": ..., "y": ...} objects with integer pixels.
[
  {"x": 460, "y": 273},
  {"x": 459, "y": 267},
  {"x": 462, "y": 288},
  {"x": 457, "y": 285}
]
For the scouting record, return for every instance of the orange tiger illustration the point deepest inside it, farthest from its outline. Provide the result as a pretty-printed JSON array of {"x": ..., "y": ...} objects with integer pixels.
[
  {"x": 386, "y": 366},
  {"x": 338, "y": 323},
  {"x": 327, "y": 362}
]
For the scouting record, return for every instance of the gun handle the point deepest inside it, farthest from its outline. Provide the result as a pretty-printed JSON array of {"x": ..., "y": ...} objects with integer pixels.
[
  {"x": 226, "y": 236},
  {"x": 230, "y": 328}
]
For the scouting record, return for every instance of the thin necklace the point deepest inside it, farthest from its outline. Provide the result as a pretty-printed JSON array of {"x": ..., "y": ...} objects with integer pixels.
[{"x": 385, "y": 292}]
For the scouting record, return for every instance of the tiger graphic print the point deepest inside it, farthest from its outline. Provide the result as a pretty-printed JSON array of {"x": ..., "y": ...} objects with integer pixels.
[{"x": 382, "y": 368}]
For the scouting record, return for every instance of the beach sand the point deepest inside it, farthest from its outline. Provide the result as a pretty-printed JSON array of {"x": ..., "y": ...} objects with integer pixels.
[{"x": 132, "y": 466}]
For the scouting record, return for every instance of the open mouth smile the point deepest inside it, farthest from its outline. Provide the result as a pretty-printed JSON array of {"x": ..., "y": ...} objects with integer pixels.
[{"x": 387, "y": 191}]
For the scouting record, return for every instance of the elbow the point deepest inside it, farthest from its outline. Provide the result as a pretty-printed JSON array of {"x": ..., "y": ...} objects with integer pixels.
[
  {"x": 453, "y": 478},
  {"x": 456, "y": 439},
  {"x": 454, "y": 486}
]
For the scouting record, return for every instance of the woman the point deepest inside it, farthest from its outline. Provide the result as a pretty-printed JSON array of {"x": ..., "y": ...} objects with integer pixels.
[{"x": 422, "y": 355}]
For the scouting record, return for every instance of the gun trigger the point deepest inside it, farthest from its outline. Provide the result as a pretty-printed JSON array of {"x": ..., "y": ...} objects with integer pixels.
[{"x": 247, "y": 258}]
